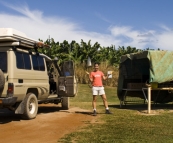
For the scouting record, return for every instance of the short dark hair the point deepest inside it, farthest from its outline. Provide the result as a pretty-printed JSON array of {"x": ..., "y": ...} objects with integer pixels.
[{"x": 96, "y": 63}]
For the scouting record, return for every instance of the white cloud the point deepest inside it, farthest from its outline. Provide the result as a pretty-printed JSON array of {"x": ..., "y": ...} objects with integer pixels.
[
  {"x": 165, "y": 40},
  {"x": 162, "y": 39},
  {"x": 35, "y": 25}
]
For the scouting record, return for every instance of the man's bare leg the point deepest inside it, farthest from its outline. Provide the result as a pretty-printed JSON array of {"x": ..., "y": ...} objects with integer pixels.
[
  {"x": 94, "y": 101},
  {"x": 105, "y": 101},
  {"x": 105, "y": 104},
  {"x": 94, "y": 105}
]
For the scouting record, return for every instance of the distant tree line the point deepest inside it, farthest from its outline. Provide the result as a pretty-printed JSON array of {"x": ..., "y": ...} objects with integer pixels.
[
  {"x": 80, "y": 52},
  {"x": 109, "y": 57}
]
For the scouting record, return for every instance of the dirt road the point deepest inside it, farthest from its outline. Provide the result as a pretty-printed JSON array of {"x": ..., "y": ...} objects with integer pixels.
[{"x": 50, "y": 124}]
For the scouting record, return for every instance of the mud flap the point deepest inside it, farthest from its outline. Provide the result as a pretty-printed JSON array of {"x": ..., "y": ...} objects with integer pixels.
[{"x": 20, "y": 108}]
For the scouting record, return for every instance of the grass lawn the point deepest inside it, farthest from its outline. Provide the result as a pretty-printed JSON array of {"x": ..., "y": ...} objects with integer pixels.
[{"x": 126, "y": 125}]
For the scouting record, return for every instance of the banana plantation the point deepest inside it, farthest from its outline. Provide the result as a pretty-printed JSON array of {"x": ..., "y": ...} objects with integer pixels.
[
  {"x": 108, "y": 57},
  {"x": 80, "y": 52}
]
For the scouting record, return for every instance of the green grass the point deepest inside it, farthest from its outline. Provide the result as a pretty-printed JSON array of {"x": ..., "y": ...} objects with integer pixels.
[
  {"x": 84, "y": 97},
  {"x": 125, "y": 125}
]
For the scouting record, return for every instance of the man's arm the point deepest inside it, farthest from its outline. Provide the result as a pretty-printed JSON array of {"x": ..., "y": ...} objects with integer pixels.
[
  {"x": 106, "y": 77},
  {"x": 89, "y": 76}
]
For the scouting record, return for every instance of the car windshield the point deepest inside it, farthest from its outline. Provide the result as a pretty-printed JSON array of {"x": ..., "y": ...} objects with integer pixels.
[{"x": 3, "y": 61}]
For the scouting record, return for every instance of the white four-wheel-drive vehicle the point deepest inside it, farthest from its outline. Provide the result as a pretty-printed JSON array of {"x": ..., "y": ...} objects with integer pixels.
[{"x": 29, "y": 78}]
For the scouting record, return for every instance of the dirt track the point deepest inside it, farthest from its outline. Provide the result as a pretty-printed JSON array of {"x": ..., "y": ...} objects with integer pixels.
[{"x": 50, "y": 124}]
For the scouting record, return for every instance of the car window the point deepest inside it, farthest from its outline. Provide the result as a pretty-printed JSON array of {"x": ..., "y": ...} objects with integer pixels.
[
  {"x": 38, "y": 63},
  {"x": 35, "y": 62},
  {"x": 23, "y": 61},
  {"x": 27, "y": 61},
  {"x": 41, "y": 63},
  {"x": 3, "y": 61},
  {"x": 19, "y": 60}
]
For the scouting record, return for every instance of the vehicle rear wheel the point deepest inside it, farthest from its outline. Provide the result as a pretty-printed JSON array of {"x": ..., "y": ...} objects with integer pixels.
[
  {"x": 30, "y": 104},
  {"x": 65, "y": 103},
  {"x": 2, "y": 81}
]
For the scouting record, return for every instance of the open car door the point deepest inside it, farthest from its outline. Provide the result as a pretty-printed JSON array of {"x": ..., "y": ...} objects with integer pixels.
[{"x": 67, "y": 84}]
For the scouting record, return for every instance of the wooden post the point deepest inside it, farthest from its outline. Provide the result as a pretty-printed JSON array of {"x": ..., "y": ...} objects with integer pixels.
[{"x": 149, "y": 99}]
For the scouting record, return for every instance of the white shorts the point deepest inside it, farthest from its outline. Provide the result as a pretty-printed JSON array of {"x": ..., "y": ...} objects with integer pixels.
[{"x": 98, "y": 90}]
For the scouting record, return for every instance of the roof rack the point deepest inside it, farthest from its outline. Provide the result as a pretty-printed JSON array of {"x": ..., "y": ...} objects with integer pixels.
[{"x": 12, "y": 37}]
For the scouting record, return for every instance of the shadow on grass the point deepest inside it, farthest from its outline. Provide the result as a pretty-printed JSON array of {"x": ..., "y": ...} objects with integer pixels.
[
  {"x": 142, "y": 106},
  {"x": 135, "y": 103},
  {"x": 91, "y": 113}
]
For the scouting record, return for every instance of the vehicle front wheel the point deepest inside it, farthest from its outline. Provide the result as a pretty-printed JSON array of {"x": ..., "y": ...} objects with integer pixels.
[
  {"x": 30, "y": 105},
  {"x": 65, "y": 103}
]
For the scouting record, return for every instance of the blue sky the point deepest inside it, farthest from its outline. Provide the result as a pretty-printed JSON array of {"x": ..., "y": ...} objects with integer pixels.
[{"x": 136, "y": 23}]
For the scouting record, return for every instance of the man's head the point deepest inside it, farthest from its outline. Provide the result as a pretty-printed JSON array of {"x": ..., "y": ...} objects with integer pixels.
[{"x": 96, "y": 66}]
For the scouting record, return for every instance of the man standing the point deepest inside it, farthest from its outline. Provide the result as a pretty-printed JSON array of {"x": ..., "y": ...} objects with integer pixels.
[{"x": 97, "y": 88}]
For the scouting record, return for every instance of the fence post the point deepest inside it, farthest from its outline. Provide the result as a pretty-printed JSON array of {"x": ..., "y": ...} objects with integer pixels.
[{"x": 149, "y": 99}]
